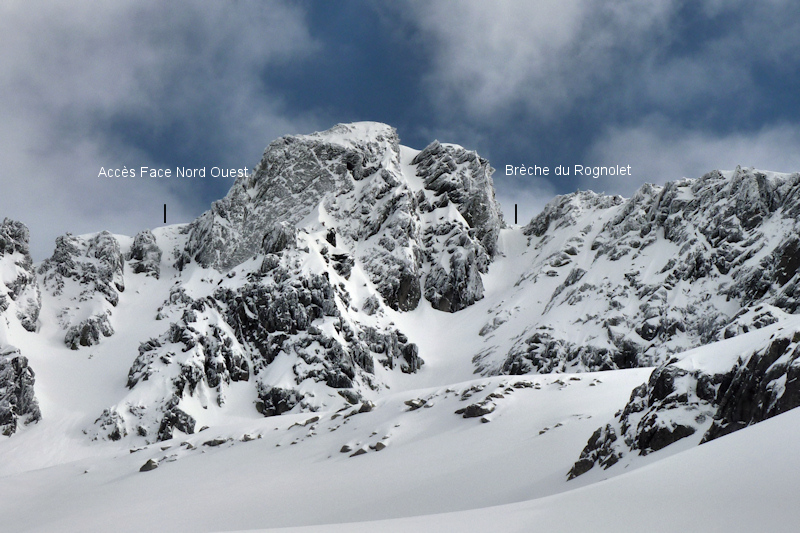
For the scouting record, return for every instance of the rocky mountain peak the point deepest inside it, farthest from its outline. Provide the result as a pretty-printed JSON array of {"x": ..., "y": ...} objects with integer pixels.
[{"x": 294, "y": 175}]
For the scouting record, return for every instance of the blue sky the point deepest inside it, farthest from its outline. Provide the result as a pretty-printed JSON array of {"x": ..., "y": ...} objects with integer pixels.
[{"x": 672, "y": 88}]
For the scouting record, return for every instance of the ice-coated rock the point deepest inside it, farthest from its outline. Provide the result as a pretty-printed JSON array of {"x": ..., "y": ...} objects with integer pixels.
[{"x": 145, "y": 255}]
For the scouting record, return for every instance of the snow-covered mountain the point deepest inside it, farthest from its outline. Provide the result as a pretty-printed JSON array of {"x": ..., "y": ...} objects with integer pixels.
[{"x": 350, "y": 280}]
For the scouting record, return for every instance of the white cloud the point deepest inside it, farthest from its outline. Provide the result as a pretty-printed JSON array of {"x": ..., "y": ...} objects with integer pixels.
[
  {"x": 542, "y": 55},
  {"x": 545, "y": 57},
  {"x": 658, "y": 152},
  {"x": 70, "y": 69}
]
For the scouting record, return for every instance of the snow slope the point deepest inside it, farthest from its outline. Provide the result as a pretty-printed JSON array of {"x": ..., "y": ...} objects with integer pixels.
[{"x": 745, "y": 482}]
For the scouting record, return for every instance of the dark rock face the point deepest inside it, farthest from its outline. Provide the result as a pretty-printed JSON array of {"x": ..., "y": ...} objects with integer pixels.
[
  {"x": 599, "y": 450},
  {"x": 541, "y": 352},
  {"x": 17, "y": 400},
  {"x": 22, "y": 290},
  {"x": 273, "y": 401},
  {"x": 677, "y": 403},
  {"x": 148, "y": 466},
  {"x": 14, "y": 238},
  {"x": 764, "y": 385},
  {"x": 173, "y": 419},
  {"x": 475, "y": 410},
  {"x": 145, "y": 255},
  {"x": 656, "y": 416},
  {"x": 20, "y": 299},
  {"x": 459, "y": 286},
  {"x": 88, "y": 332}
]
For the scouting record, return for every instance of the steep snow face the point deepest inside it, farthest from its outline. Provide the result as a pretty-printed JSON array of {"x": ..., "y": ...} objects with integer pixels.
[{"x": 613, "y": 283}]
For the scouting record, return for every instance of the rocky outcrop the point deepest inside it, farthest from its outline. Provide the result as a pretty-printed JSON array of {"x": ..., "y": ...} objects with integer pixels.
[
  {"x": 94, "y": 264},
  {"x": 759, "y": 387},
  {"x": 279, "y": 237},
  {"x": 18, "y": 285},
  {"x": 18, "y": 404},
  {"x": 88, "y": 332},
  {"x": 20, "y": 300},
  {"x": 351, "y": 175},
  {"x": 87, "y": 275},
  {"x": 681, "y": 400},
  {"x": 237, "y": 333},
  {"x": 294, "y": 175},
  {"x": 464, "y": 178},
  {"x": 145, "y": 255},
  {"x": 639, "y": 276},
  {"x": 273, "y": 401}
]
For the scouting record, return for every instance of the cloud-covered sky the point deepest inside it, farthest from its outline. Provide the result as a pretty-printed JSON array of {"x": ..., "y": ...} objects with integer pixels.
[{"x": 672, "y": 88}]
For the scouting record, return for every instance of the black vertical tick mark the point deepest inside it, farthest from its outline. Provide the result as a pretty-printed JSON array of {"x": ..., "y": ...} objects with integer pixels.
[{"x": 165, "y": 213}]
